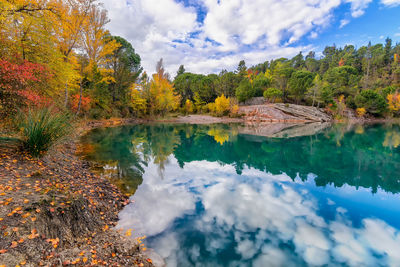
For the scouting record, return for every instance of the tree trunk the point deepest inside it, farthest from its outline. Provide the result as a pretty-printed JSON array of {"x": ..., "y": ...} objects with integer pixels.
[
  {"x": 66, "y": 95},
  {"x": 367, "y": 80},
  {"x": 313, "y": 100},
  {"x": 80, "y": 98}
]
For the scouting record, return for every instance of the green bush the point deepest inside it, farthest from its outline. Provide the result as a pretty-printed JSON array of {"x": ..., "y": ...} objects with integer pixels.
[
  {"x": 272, "y": 94},
  {"x": 41, "y": 128},
  {"x": 373, "y": 102},
  {"x": 244, "y": 91},
  {"x": 388, "y": 90}
]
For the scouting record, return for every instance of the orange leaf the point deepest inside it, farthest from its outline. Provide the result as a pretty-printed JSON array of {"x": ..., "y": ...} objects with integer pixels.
[{"x": 14, "y": 244}]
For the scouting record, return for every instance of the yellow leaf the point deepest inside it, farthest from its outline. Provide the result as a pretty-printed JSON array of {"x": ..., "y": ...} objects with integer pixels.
[{"x": 129, "y": 232}]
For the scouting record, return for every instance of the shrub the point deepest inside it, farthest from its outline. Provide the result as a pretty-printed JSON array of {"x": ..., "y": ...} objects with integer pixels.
[
  {"x": 361, "y": 112},
  {"x": 41, "y": 128},
  {"x": 373, "y": 102},
  {"x": 85, "y": 103},
  {"x": 272, "y": 93}
]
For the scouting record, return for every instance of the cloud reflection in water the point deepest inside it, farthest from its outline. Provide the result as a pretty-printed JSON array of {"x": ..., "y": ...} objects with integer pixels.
[{"x": 207, "y": 215}]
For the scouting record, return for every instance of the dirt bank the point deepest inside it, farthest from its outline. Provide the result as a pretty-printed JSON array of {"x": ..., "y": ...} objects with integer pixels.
[{"x": 54, "y": 211}]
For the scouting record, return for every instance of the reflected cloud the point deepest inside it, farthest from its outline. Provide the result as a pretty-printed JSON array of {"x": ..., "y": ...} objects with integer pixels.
[{"x": 206, "y": 214}]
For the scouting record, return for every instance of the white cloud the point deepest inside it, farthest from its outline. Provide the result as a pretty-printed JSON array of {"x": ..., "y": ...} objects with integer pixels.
[
  {"x": 390, "y": 3},
  {"x": 253, "y": 30},
  {"x": 344, "y": 22},
  {"x": 358, "y": 7}
]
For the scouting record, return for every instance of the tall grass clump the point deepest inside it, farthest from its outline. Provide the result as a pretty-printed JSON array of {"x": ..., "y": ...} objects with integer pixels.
[{"x": 41, "y": 128}]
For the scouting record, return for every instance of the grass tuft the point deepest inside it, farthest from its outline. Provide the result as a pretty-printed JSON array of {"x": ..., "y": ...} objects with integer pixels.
[{"x": 41, "y": 128}]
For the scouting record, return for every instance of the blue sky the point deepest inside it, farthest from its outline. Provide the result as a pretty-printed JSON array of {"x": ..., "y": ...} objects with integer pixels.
[{"x": 210, "y": 35}]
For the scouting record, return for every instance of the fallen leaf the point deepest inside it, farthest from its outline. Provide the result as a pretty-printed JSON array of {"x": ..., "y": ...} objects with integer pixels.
[{"x": 128, "y": 232}]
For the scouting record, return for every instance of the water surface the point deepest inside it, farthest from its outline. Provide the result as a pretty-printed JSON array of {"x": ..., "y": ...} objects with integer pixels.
[{"x": 224, "y": 195}]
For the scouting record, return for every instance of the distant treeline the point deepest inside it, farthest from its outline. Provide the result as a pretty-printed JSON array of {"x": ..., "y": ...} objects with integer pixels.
[{"x": 366, "y": 79}]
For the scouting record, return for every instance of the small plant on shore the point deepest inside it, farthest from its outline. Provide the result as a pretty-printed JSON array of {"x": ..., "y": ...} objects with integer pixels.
[
  {"x": 41, "y": 128},
  {"x": 361, "y": 112}
]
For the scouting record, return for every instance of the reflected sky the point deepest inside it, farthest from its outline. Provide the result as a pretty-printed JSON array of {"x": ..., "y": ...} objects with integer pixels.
[
  {"x": 220, "y": 209},
  {"x": 207, "y": 215}
]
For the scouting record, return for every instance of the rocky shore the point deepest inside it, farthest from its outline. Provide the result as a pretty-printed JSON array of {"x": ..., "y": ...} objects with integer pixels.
[{"x": 283, "y": 113}]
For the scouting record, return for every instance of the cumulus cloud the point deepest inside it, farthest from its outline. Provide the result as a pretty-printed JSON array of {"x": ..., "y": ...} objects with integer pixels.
[
  {"x": 358, "y": 7},
  {"x": 211, "y": 35}
]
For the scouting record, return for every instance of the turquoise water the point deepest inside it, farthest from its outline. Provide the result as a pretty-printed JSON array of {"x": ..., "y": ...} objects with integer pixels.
[{"x": 224, "y": 195}]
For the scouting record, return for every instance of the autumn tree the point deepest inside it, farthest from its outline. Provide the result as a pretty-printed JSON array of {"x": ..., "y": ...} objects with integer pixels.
[
  {"x": 163, "y": 96},
  {"x": 70, "y": 30}
]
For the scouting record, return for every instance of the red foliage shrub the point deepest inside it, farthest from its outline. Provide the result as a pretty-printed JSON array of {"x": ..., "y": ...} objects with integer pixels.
[
  {"x": 85, "y": 103},
  {"x": 18, "y": 83}
]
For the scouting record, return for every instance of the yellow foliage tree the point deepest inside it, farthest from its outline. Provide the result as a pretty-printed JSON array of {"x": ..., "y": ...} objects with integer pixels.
[
  {"x": 97, "y": 44},
  {"x": 74, "y": 15},
  {"x": 189, "y": 108},
  {"x": 163, "y": 97},
  {"x": 222, "y": 105},
  {"x": 138, "y": 102},
  {"x": 394, "y": 102}
]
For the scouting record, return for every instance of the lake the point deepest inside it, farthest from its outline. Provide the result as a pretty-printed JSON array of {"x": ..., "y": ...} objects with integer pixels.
[{"x": 234, "y": 195}]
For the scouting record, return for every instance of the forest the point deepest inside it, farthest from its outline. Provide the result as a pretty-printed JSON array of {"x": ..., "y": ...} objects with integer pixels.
[{"x": 59, "y": 54}]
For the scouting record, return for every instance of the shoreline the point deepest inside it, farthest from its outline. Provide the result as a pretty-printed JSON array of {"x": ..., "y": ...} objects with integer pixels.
[
  {"x": 56, "y": 211},
  {"x": 208, "y": 119}
]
